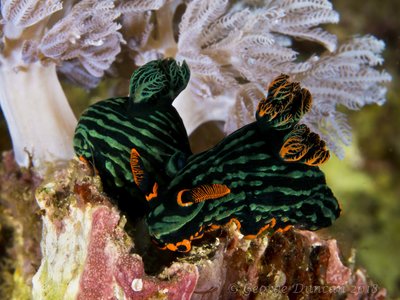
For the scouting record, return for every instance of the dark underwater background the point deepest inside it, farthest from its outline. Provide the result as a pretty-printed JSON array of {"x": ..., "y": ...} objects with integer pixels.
[{"x": 367, "y": 180}]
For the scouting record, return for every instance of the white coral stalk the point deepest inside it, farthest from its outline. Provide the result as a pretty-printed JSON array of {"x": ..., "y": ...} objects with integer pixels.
[
  {"x": 85, "y": 42},
  {"x": 39, "y": 118}
]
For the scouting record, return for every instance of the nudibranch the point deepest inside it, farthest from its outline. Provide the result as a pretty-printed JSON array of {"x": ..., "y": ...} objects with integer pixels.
[
  {"x": 111, "y": 133},
  {"x": 264, "y": 176}
]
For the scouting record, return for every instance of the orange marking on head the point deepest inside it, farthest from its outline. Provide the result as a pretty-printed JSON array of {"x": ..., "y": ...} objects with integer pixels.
[
  {"x": 162, "y": 248},
  {"x": 137, "y": 171},
  {"x": 198, "y": 235},
  {"x": 153, "y": 194}
]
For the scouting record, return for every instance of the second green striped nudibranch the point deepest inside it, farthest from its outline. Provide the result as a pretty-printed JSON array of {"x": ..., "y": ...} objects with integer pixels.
[{"x": 263, "y": 176}]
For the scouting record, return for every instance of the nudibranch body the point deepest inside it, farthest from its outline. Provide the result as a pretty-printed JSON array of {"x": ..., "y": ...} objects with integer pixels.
[
  {"x": 264, "y": 175},
  {"x": 111, "y": 133}
]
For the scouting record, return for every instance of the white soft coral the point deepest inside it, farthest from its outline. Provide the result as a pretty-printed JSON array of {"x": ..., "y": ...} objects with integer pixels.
[
  {"x": 235, "y": 49},
  {"x": 346, "y": 77},
  {"x": 81, "y": 41}
]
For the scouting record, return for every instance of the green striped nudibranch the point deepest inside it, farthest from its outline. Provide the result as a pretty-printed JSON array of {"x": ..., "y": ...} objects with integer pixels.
[
  {"x": 265, "y": 175},
  {"x": 110, "y": 133}
]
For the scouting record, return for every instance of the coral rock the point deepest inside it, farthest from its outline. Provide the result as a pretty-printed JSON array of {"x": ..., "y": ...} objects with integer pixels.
[
  {"x": 20, "y": 228},
  {"x": 86, "y": 252}
]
